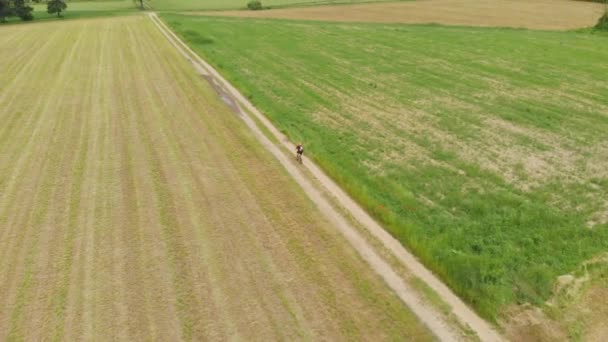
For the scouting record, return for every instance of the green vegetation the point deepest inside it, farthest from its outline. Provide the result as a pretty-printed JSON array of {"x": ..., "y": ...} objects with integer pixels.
[
  {"x": 56, "y": 7},
  {"x": 194, "y": 5},
  {"x": 15, "y": 8},
  {"x": 254, "y": 5},
  {"x": 483, "y": 150},
  {"x": 578, "y": 304},
  {"x": 77, "y": 9},
  {"x": 602, "y": 23}
]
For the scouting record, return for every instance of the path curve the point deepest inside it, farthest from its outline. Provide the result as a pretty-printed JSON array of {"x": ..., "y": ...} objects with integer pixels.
[{"x": 429, "y": 316}]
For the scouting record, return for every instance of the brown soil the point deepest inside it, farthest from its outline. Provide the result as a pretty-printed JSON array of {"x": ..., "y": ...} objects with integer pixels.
[
  {"x": 531, "y": 324},
  {"x": 534, "y": 14},
  {"x": 577, "y": 310}
]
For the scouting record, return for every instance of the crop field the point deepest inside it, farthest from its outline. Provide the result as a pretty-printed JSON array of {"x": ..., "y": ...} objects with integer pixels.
[
  {"x": 187, "y": 5},
  {"x": 135, "y": 205},
  {"x": 536, "y": 14},
  {"x": 483, "y": 150}
]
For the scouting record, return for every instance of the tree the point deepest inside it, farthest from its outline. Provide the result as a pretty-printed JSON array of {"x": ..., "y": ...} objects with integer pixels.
[
  {"x": 23, "y": 11},
  {"x": 19, "y": 8},
  {"x": 56, "y": 6},
  {"x": 5, "y": 10}
]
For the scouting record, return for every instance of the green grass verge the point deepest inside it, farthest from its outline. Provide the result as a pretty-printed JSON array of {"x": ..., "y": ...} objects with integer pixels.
[{"x": 480, "y": 149}]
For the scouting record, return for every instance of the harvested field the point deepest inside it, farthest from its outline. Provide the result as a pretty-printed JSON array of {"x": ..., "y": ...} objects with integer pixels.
[
  {"x": 533, "y": 14},
  {"x": 134, "y": 205}
]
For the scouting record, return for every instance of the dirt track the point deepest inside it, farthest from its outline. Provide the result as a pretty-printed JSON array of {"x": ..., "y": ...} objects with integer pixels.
[
  {"x": 428, "y": 315},
  {"x": 134, "y": 205},
  {"x": 534, "y": 14}
]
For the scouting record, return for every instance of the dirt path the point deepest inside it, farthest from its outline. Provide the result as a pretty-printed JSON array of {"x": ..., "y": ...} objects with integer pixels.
[
  {"x": 129, "y": 209},
  {"x": 534, "y": 14},
  {"x": 428, "y": 315}
]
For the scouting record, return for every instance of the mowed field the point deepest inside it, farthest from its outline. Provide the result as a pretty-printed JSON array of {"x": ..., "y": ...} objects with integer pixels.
[
  {"x": 536, "y": 14},
  {"x": 483, "y": 150},
  {"x": 135, "y": 205}
]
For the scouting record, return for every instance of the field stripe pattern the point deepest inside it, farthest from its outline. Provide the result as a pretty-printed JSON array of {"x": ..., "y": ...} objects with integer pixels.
[{"x": 134, "y": 205}]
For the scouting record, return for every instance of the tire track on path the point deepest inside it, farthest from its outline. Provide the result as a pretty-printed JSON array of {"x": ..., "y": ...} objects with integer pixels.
[{"x": 429, "y": 316}]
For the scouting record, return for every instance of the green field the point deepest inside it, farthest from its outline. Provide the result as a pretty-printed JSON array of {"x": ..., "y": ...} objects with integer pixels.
[
  {"x": 186, "y": 5},
  {"x": 482, "y": 150}
]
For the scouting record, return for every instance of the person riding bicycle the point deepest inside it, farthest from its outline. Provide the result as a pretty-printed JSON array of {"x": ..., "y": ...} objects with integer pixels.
[{"x": 299, "y": 152}]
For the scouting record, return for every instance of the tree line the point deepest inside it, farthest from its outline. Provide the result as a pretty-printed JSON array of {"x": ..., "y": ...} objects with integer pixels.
[{"x": 22, "y": 10}]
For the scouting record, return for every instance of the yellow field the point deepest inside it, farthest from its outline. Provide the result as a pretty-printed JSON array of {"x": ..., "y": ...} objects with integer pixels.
[
  {"x": 534, "y": 14},
  {"x": 134, "y": 205}
]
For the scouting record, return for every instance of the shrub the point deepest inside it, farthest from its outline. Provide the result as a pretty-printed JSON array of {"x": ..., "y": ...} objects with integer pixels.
[
  {"x": 56, "y": 6},
  {"x": 26, "y": 16},
  {"x": 254, "y": 5},
  {"x": 602, "y": 24}
]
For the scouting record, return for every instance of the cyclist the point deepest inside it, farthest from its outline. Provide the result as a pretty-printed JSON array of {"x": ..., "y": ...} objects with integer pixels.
[{"x": 299, "y": 152}]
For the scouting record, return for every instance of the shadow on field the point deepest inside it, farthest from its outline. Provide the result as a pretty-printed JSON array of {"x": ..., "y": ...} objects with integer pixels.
[{"x": 197, "y": 38}]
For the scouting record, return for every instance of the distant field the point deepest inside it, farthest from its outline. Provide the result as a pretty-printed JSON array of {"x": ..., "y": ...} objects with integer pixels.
[
  {"x": 135, "y": 205},
  {"x": 483, "y": 150},
  {"x": 537, "y": 14},
  {"x": 83, "y": 9},
  {"x": 185, "y": 5}
]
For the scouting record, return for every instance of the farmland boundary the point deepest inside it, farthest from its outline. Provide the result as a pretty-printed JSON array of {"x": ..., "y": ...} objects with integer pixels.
[{"x": 432, "y": 319}]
